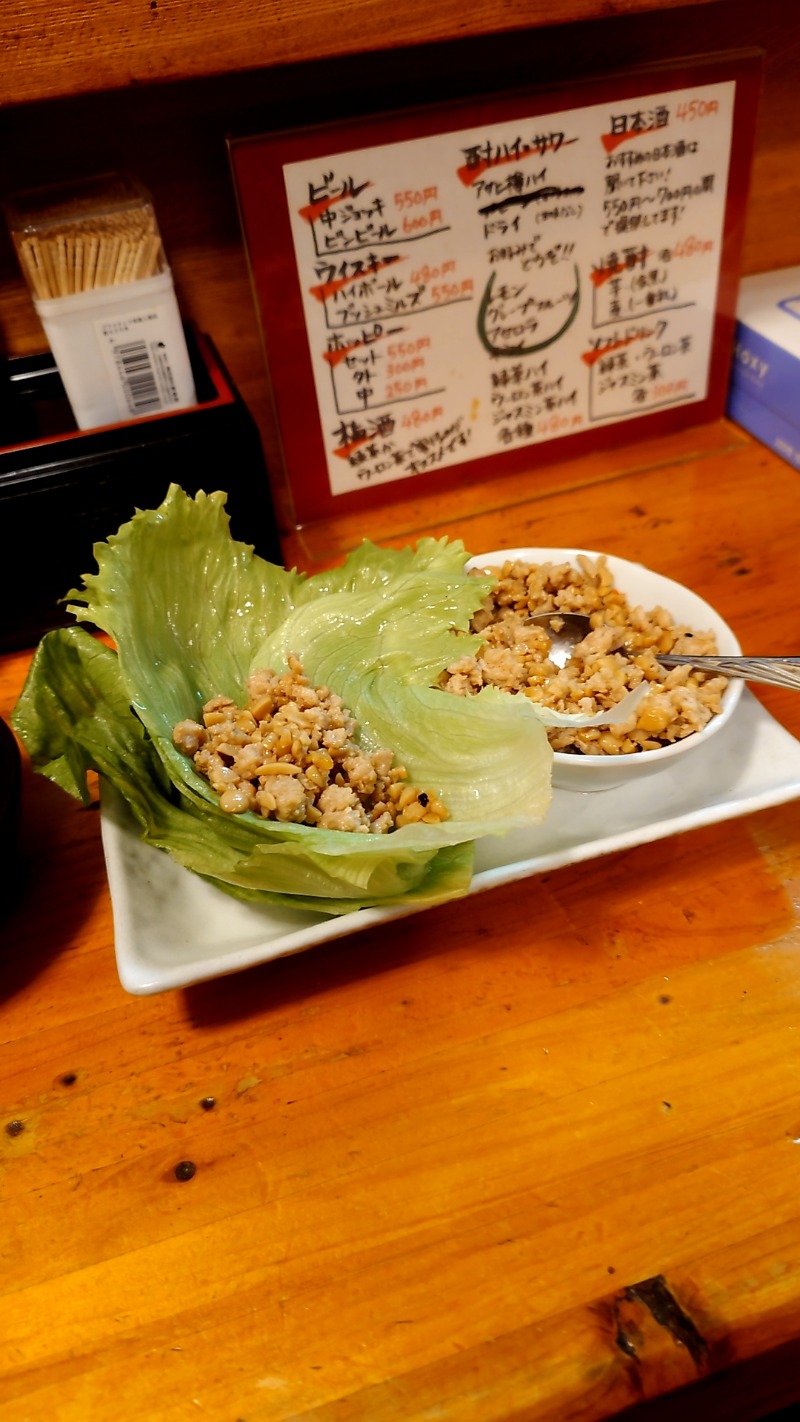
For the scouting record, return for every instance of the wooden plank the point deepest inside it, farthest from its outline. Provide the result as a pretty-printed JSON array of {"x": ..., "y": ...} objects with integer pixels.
[
  {"x": 537, "y": 1158},
  {"x": 44, "y": 47}
]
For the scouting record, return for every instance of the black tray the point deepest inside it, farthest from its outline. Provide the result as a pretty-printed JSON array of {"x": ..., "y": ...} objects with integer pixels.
[{"x": 64, "y": 489}]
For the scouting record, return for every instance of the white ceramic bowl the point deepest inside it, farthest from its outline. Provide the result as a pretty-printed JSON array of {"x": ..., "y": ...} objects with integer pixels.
[{"x": 644, "y": 588}]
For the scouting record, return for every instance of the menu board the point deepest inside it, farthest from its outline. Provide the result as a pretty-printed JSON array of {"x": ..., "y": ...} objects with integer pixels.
[{"x": 498, "y": 279}]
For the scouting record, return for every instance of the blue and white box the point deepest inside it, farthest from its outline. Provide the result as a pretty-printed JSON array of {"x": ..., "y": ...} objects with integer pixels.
[{"x": 764, "y": 394}]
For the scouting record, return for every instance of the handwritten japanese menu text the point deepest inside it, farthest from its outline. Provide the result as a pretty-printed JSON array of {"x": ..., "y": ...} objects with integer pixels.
[{"x": 468, "y": 293}]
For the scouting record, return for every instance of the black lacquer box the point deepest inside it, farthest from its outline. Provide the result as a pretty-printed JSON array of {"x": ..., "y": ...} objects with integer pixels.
[{"x": 63, "y": 489}]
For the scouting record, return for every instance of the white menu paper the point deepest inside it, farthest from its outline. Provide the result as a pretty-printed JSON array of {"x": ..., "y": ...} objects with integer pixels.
[{"x": 469, "y": 293}]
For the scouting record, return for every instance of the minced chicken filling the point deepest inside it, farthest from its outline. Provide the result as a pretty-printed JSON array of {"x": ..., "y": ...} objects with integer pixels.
[
  {"x": 289, "y": 754},
  {"x": 618, "y": 654}
]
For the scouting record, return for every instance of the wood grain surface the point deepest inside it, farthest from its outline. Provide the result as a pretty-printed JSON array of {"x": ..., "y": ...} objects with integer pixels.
[
  {"x": 531, "y": 1155},
  {"x": 166, "y": 86},
  {"x": 44, "y": 46}
]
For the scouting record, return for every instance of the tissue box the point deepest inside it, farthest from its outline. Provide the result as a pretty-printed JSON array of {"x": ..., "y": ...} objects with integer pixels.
[{"x": 764, "y": 394}]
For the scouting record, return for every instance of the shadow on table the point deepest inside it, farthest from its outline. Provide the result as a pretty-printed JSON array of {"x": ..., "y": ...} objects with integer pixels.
[
  {"x": 328, "y": 967},
  {"x": 50, "y": 888},
  {"x": 731, "y": 1394}
]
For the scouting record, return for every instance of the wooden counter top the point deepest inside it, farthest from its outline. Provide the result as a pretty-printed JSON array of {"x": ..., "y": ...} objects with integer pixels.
[{"x": 532, "y": 1155}]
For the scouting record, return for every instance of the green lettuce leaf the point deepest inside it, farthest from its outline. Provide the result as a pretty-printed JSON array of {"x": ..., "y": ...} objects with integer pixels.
[{"x": 192, "y": 613}]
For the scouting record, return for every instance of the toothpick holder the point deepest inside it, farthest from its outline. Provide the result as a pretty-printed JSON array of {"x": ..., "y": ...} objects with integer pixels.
[{"x": 92, "y": 255}]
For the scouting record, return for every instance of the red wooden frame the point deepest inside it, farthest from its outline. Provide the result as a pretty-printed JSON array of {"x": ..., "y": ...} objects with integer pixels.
[{"x": 257, "y": 167}]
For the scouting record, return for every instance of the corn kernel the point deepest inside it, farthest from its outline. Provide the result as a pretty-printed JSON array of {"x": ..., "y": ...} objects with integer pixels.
[{"x": 653, "y": 719}]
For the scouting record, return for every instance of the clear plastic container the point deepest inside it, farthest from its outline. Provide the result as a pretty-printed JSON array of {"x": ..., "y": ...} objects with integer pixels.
[{"x": 94, "y": 260}]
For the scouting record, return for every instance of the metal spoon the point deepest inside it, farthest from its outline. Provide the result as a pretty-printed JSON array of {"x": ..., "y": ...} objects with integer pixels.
[{"x": 574, "y": 626}]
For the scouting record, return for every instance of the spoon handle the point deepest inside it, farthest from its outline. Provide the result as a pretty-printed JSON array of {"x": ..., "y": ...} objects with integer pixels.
[{"x": 772, "y": 671}]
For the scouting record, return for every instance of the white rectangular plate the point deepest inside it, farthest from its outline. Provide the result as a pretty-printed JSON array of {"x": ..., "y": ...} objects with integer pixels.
[{"x": 172, "y": 928}]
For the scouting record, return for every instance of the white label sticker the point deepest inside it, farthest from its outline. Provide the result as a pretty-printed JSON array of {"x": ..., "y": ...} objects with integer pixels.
[{"x": 135, "y": 347}]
